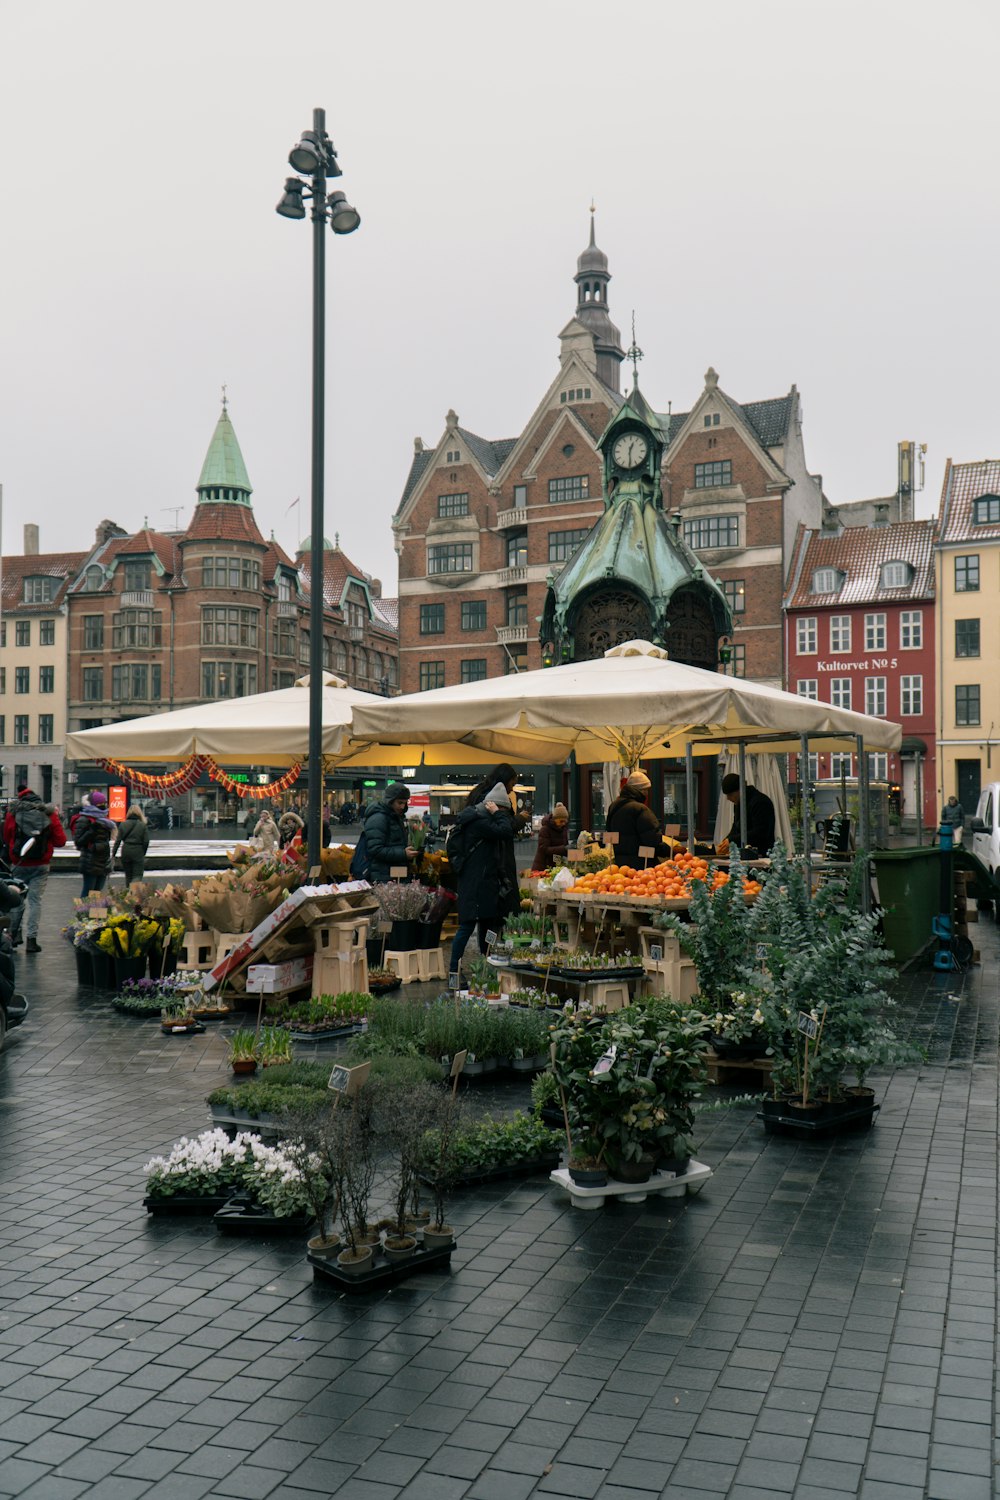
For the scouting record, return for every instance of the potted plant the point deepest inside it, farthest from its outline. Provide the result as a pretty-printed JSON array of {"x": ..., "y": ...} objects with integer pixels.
[
  {"x": 359, "y": 1166},
  {"x": 483, "y": 977},
  {"x": 403, "y": 905},
  {"x": 177, "y": 1016},
  {"x": 315, "y": 1141},
  {"x": 197, "y": 1175},
  {"x": 441, "y": 1166},
  {"x": 383, "y": 981},
  {"x": 405, "y": 1113},
  {"x": 243, "y": 1051},
  {"x": 738, "y": 1028},
  {"x": 440, "y": 902},
  {"x": 274, "y": 1046}
]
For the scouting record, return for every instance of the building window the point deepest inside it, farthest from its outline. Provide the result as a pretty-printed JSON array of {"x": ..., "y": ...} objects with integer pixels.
[
  {"x": 304, "y": 648},
  {"x": 22, "y": 679},
  {"x": 520, "y": 496},
  {"x": 911, "y": 696},
  {"x": 21, "y": 729},
  {"x": 93, "y": 579},
  {"x": 450, "y": 557},
  {"x": 46, "y": 632},
  {"x": 813, "y": 771},
  {"x": 875, "y": 697},
  {"x": 966, "y": 637},
  {"x": 46, "y": 728},
  {"x": 576, "y": 487},
  {"x": 735, "y": 590},
  {"x": 805, "y": 636},
  {"x": 736, "y": 666},
  {"x": 517, "y": 607},
  {"x": 340, "y": 656},
  {"x": 135, "y": 682},
  {"x": 711, "y": 419},
  {"x": 517, "y": 549},
  {"x": 3, "y": 679},
  {"x": 221, "y": 625},
  {"x": 138, "y": 575},
  {"x": 228, "y": 679},
  {"x": 911, "y": 629},
  {"x": 841, "y": 766},
  {"x": 896, "y": 575},
  {"x": 808, "y": 687},
  {"x": 967, "y": 574},
  {"x": 712, "y": 531},
  {"x": 40, "y": 590},
  {"x": 840, "y": 633},
  {"x": 453, "y": 456},
  {"x": 93, "y": 684},
  {"x": 562, "y": 544},
  {"x": 284, "y": 638},
  {"x": 986, "y": 510},
  {"x": 453, "y": 505},
  {"x": 230, "y": 573},
  {"x": 473, "y": 614},
  {"x": 713, "y": 476},
  {"x": 93, "y": 632},
  {"x": 878, "y": 767},
  {"x": 432, "y": 619},
  {"x": 22, "y": 633},
  {"x": 3, "y": 729},
  {"x": 474, "y": 671},
  {"x": 826, "y": 581},
  {"x": 840, "y": 692},
  {"x": 875, "y": 633},
  {"x": 46, "y": 679},
  {"x": 966, "y": 704},
  {"x": 515, "y": 660},
  {"x": 580, "y": 392},
  {"x": 139, "y": 628},
  {"x": 431, "y": 675}
]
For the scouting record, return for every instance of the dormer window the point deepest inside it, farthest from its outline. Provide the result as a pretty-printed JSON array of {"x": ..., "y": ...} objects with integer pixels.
[
  {"x": 827, "y": 581},
  {"x": 896, "y": 575},
  {"x": 93, "y": 579},
  {"x": 138, "y": 575},
  {"x": 986, "y": 510},
  {"x": 40, "y": 590}
]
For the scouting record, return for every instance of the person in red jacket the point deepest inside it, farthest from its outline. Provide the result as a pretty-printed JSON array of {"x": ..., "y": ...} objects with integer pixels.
[{"x": 31, "y": 831}]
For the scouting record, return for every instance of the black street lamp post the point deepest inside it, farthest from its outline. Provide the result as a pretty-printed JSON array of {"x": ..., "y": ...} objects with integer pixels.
[{"x": 315, "y": 157}]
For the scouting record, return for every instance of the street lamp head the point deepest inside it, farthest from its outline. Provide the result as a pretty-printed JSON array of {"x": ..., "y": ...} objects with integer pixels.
[
  {"x": 291, "y": 205},
  {"x": 308, "y": 156},
  {"x": 343, "y": 218}
]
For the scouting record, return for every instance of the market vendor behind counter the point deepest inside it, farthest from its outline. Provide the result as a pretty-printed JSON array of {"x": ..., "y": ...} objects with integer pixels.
[{"x": 759, "y": 818}]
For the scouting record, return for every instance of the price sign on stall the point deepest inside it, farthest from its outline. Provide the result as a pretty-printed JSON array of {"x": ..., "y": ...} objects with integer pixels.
[
  {"x": 808, "y": 1024},
  {"x": 575, "y": 855},
  {"x": 646, "y": 851},
  {"x": 347, "y": 1081},
  {"x": 398, "y": 872}
]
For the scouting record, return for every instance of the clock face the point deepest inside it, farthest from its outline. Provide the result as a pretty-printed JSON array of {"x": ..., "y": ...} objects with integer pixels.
[{"x": 630, "y": 450}]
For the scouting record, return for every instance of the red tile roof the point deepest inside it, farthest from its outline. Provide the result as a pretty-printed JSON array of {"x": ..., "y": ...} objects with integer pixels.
[
  {"x": 273, "y": 558},
  {"x": 61, "y": 565},
  {"x": 859, "y": 554},
  {"x": 163, "y": 547},
  {"x": 964, "y": 483},
  {"x": 222, "y": 522},
  {"x": 389, "y": 610}
]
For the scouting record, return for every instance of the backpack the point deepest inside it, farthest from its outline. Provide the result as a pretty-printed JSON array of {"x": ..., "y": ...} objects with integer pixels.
[
  {"x": 455, "y": 847},
  {"x": 31, "y": 820},
  {"x": 360, "y": 863}
]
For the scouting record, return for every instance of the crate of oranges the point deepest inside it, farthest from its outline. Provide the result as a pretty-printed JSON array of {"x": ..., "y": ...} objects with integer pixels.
[{"x": 668, "y": 883}]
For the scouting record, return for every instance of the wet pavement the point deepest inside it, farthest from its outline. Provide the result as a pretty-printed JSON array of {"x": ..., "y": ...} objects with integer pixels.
[{"x": 819, "y": 1322}]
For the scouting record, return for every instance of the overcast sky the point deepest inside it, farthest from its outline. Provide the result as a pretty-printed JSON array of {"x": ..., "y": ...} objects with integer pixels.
[{"x": 789, "y": 190}]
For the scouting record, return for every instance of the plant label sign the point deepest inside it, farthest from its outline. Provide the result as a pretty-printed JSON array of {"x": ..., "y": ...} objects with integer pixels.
[
  {"x": 458, "y": 1063},
  {"x": 348, "y": 1081},
  {"x": 646, "y": 851},
  {"x": 575, "y": 855},
  {"x": 398, "y": 872},
  {"x": 807, "y": 1025},
  {"x": 316, "y": 873},
  {"x": 491, "y": 938},
  {"x": 382, "y": 925},
  {"x": 454, "y": 982},
  {"x": 655, "y": 952},
  {"x": 611, "y": 838}
]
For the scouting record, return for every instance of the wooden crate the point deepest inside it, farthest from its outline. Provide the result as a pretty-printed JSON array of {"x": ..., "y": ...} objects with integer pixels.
[
  {"x": 678, "y": 981},
  {"x": 338, "y": 973},
  {"x": 197, "y": 950},
  {"x": 754, "y": 1071}
]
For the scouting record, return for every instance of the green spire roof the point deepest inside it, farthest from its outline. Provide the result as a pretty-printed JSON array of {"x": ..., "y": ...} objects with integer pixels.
[
  {"x": 306, "y": 546},
  {"x": 224, "y": 474}
]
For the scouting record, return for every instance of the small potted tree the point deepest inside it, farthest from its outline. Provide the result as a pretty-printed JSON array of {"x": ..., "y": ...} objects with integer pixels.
[
  {"x": 405, "y": 1113},
  {"x": 441, "y": 1167},
  {"x": 358, "y": 1166}
]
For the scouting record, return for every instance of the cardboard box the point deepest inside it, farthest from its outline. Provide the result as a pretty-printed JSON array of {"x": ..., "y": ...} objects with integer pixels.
[{"x": 273, "y": 979}]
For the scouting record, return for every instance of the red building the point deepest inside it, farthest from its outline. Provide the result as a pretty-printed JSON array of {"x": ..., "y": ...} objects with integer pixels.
[{"x": 859, "y": 634}]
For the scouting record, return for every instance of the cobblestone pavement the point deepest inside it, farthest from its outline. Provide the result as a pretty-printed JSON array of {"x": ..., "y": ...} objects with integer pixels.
[{"x": 820, "y": 1321}]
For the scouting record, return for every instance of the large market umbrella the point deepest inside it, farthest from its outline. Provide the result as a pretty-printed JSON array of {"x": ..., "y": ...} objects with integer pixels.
[
  {"x": 631, "y": 704},
  {"x": 269, "y": 729}
]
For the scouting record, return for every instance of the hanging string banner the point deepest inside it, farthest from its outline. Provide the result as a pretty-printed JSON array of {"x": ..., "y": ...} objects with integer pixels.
[
  {"x": 172, "y": 784},
  {"x": 256, "y": 793}
]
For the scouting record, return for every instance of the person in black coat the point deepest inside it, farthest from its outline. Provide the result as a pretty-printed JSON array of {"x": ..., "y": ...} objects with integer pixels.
[
  {"x": 503, "y": 775},
  {"x": 760, "y": 818},
  {"x": 386, "y": 836},
  {"x": 487, "y": 881},
  {"x": 636, "y": 825}
]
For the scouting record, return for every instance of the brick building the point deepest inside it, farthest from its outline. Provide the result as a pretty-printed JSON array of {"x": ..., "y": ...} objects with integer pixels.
[
  {"x": 860, "y": 634},
  {"x": 165, "y": 620},
  {"x": 482, "y": 524}
]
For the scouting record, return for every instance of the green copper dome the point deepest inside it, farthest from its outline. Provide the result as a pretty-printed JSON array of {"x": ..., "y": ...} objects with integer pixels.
[
  {"x": 224, "y": 475},
  {"x": 306, "y": 546}
]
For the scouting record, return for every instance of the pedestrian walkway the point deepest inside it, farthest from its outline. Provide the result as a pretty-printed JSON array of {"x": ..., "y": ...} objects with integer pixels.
[{"x": 819, "y": 1323}]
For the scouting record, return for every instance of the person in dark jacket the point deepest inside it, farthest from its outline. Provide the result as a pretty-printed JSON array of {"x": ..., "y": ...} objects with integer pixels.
[
  {"x": 133, "y": 841},
  {"x": 502, "y": 775},
  {"x": 386, "y": 836},
  {"x": 636, "y": 825},
  {"x": 30, "y": 858},
  {"x": 487, "y": 881},
  {"x": 92, "y": 835},
  {"x": 760, "y": 818},
  {"x": 553, "y": 837}
]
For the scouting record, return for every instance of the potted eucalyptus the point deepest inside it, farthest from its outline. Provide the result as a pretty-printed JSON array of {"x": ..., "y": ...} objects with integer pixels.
[{"x": 405, "y": 1112}]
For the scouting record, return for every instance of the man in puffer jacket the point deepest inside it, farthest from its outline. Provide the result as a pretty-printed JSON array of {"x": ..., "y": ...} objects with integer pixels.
[{"x": 386, "y": 837}]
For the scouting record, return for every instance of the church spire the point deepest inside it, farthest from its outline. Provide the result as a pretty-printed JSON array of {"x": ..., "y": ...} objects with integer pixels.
[
  {"x": 224, "y": 476},
  {"x": 592, "y": 278}
]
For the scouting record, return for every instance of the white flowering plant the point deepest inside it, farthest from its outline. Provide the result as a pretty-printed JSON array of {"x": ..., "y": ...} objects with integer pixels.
[
  {"x": 740, "y": 1019},
  {"x": 278, "y": 1177},
  {"x": 208, "y": 1165}
]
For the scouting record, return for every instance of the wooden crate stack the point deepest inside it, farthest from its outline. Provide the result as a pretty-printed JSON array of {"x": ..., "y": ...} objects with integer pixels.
[
  {"x": 964, "y": 909},
  {"x": 674, "y": 973}
]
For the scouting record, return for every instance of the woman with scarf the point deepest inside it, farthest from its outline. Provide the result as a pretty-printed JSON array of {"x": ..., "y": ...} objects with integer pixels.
[{"x": 92, "y": 835}]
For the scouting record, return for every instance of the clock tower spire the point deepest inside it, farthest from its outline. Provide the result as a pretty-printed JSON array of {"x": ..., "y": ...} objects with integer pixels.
[{"x": 592, "y": 278}]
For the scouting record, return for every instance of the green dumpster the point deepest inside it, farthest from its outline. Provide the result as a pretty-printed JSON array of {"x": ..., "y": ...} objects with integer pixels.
[{"x": 909, "y": 888}]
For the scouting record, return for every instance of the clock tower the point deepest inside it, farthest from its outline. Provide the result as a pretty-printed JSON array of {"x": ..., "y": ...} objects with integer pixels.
[{"x": 634, "y": 577}]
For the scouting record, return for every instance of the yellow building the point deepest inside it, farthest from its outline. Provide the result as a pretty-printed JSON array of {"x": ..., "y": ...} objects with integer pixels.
[
  {"x": 33, "y": 669},
  {"x": 968, "y": 627}
]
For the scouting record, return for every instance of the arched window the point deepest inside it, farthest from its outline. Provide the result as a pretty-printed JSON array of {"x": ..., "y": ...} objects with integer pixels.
[{"x": 93, "y": 578}]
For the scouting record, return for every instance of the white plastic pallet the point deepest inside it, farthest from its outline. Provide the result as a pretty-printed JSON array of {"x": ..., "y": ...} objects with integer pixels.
[{"x": 662, "y": 1184}]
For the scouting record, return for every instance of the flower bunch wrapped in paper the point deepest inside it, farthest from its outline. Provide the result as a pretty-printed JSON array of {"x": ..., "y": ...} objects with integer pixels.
[
  {"x": 124, "y": 936},
  {"x": 175, "y": 902},
  {"x": 237, "y": 899}
]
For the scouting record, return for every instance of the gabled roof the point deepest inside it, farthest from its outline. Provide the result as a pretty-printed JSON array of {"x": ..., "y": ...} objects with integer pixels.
[
  {"x": 489, "y": 453},
  {"x": 61, "y": 565},
  {"x": 963, "y": 484},
  {"x": 767, "y": 420},
  {"x": 422, "y": 458},
  {"x": 338, "y": 572},
  {"x": 145, "y": 542},
  {"x": 859, "y": 553},
  {"x": 217, "y": 521},
  {"x": 275, "y": 557}
]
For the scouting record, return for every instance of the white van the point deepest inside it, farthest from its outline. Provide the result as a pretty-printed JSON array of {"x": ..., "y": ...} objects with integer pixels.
[{"x": 985, "y": 827}]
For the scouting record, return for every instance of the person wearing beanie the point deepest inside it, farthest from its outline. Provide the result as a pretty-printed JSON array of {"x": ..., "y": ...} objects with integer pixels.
[
  {"x": 32, "y": 830},
  {"x": 386, "y": 837},
  {"x": 553, "y": 838},
  {"x": 487, "y": 878},
  {"x": 636, "y": 825},
  {"x": 760, "y": 818},
  {"x": 92, "y": 835},
  {"x": 507, "y": 776}
]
